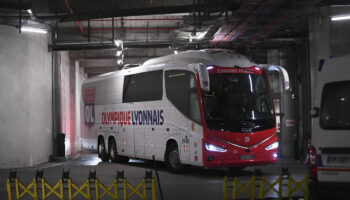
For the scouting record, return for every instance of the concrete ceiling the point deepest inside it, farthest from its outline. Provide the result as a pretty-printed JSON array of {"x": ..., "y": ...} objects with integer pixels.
[{"x": 154, "y": 28}]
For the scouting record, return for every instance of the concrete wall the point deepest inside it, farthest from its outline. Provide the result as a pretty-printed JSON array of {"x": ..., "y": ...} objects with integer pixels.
[
  {"x": 25, "y": 99},
  {"x": 327, "y": 38}
]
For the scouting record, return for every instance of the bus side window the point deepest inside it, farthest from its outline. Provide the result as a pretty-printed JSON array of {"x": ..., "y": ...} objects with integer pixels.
[
  {"x": 181, "y": 90},
  {"x": 145, "y": 86}
]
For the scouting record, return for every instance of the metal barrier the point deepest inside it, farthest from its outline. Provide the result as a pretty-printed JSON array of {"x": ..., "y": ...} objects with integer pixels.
[
  {"x": 265, "y": 186},
  {"x": 297, "y": 185},
  {"x": 52, "y": 189},
  {"x": 91, "y": 185}
]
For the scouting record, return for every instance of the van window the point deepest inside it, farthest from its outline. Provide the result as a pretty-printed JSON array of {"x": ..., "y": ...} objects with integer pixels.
[
  {"x": 181, "y": 90},
  {"x": 143, "y": 87},
  {"x": 335, "y": 106}
]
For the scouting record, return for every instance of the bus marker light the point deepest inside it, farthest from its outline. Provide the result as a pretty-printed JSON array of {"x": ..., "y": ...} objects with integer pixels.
[{"x": 275, "y": 155}]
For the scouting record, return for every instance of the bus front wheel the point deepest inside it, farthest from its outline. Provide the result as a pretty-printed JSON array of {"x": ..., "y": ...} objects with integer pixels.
[
  {"x": 101, "y": 149},
  {"x": 172, "y": 158}
]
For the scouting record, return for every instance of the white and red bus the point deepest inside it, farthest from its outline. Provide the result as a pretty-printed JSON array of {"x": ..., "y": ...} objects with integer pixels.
[{"x": 207, "y": 108}]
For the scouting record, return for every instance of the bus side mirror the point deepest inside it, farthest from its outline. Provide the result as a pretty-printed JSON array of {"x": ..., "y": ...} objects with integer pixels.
[{"x": 204, "y": 78}]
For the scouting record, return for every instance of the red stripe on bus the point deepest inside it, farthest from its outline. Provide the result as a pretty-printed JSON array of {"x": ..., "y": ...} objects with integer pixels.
[{"x": 333, "y": 169}]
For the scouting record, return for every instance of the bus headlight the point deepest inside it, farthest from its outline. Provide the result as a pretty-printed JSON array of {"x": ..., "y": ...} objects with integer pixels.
[
  {"x": 211, "y": 147},
  {"x": 272, "y": 146}
]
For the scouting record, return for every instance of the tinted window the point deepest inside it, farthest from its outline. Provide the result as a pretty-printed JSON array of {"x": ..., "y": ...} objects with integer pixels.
[
  {"x": 239, "y": 102},
  {"x": 143, "y": 87},
  {"x": 181, "y": 90},
  {"x": 335, "y": 106}
]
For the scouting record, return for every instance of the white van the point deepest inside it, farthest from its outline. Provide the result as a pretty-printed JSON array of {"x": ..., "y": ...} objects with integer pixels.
[{"x": 330, "y": 138}]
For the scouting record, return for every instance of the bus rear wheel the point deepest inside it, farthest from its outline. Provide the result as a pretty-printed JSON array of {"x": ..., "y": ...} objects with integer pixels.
[
  {"x": 114, "y": 154},
  {"x": 172, "y": 159},
  {"x": 101, "y": 149}
]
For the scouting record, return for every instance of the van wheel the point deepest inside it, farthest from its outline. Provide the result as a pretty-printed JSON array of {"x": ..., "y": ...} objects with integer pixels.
[
  {"x": 101, "y": 149},
  {"x": 172, "y": 159},
  {"x": 114, "y": 154}
]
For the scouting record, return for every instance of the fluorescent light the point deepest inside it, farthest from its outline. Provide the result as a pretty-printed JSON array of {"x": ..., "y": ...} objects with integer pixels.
[
  {"x": 29, "y": 11},
  {"x": 200, "y": 35},
  {"x": 118, "y": 43},
  {"x": 119, "y": 53},
  {"x": 340, "y": 17},
  {"x": 120, "y": 62},
  {"x": 33, "y": 30}
]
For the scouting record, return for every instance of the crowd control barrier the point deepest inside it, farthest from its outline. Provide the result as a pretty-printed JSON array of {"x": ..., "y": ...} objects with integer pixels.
[
  {"x": 92, "y": 188},
  {"x": 259, "y": 187}
]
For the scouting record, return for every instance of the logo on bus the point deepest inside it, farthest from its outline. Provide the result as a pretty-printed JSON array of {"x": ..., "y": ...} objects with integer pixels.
[
  {"x": 135, "y": 117},
  {"x": 89, "y": 106}
]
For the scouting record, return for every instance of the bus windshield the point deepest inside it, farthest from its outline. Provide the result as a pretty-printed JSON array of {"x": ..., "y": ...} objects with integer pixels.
[{"x": 239, "y": 102}]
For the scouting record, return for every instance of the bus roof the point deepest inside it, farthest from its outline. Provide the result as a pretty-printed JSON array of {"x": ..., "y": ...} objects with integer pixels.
[{"x": 217, "y": 57}]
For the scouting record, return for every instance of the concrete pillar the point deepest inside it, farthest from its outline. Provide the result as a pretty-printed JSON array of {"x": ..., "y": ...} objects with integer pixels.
[
  {"x": 79, "y": 77},
  {"x": 285, "y": 57}
]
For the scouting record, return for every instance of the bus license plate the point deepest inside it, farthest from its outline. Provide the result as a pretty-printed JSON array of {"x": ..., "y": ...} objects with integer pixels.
[{"x": 246, "y": 157}]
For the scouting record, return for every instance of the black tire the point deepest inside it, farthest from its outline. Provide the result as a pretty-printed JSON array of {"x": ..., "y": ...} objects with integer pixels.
[
  {"x": 101, "y": 149},
  {"x": 172, "y": 159},
  {"x": 235, "y": 169},
  {"x": 114, "y": 154}
]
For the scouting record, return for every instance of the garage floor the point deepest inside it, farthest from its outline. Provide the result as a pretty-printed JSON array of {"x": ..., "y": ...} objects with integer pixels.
[{"x": 196, "y": 183}]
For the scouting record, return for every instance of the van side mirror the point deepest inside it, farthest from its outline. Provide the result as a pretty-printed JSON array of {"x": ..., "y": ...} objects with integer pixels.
[
  {"x": 204, "y": 77},
  {"x": 315, "y": 112}
]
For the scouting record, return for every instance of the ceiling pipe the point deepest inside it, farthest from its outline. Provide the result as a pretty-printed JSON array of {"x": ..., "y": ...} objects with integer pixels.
[
  {"x": 137, "y": 19},
  {"x": 135, "y": 29},
  {"x": 78, "y": 22},
  {"x": 275, "y": 23},
  {"x": 145, "y": 11},
  {"x": 106, "y": 45}
]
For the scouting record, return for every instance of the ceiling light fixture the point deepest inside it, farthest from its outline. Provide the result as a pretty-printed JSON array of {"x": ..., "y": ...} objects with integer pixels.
[
  {"x": 29, "y": 11},
  {"x": 120, "y": 62},
  {"x": 33, "y": 30},
  {"x": 340, "y": 17},
  {"x": 118, "y": 43},
  {"x": 119, "y": 53}
]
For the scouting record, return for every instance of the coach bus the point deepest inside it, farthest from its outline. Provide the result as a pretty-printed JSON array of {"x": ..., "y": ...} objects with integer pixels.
[{"x": 209, "y": 108}]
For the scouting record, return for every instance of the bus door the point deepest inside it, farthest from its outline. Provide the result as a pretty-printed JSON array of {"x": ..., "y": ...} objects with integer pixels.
[{"x": 331, "y": 120}]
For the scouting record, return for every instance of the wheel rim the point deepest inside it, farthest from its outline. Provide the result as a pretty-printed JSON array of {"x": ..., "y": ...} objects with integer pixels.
[
  {"x": 113, "y": 151},
  {"x": 100, "y": 147},
  {"x": 174, "y": 159}
]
